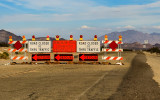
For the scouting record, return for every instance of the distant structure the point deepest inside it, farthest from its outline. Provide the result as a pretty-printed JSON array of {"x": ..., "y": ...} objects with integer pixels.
[{"x": 145, "y": 44}]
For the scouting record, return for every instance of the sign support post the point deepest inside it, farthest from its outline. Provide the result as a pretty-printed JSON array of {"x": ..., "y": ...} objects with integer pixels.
[
  {"x": 24, "y": 39},
  {"x": 95, "y": 39}
]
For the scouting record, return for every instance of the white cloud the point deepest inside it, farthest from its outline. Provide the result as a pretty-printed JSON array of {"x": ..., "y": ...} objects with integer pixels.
[
  {"x": 6, "y": 6},
  {"x": 129, "y": 27},
  {"x": 107, "y": 29},
  {"x": 71, "y": 10},
  {"x": 156, "y": 27},
  {"x": 126, "y": 27},
  {"x": 87, "y": 27},
  {"x": 54, "y": 5}
]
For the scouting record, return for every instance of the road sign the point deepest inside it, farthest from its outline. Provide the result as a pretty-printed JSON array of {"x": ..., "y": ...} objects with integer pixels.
[
  {"x": 113, "y": 45},
  {"x": 63, "y": 57},
  {"x": 64, "y": 46},
  {"x": 88, "y": 46},
  {"x": 41, "y": 57},
  {"x": 88, "y": 57},
  {"x": 145, "y": 41},
  {"x": 39, "y": 46},
  {"x": 17, "y": 45}
]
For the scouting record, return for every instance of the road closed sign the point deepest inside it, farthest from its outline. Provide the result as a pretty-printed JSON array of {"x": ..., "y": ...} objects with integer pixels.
[
  {"x": 88, "y": 46},
  {"x": 39, "y": 46},
  {"x": 64, "y": 46}
]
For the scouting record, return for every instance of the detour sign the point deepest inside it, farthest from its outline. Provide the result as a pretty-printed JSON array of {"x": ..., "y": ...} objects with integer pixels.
[
  {"x": 63, "y": 57},
  {"x": 88, "y": 57},
  {"x": 64, "y": 46},
  {"x": 41, "y": 57}
]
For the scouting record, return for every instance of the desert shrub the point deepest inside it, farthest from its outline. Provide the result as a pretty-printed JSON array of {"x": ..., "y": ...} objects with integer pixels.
[
  {"x": 4, "y": 55},
  {"x": 3, "y": 44},
  {"x": 154, "y": 50},
  {"x": 127, "y": 49}
]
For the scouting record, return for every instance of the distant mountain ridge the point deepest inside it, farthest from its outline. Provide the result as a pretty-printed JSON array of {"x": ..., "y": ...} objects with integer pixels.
[
  {"x": 131, "y": 36},
  {"x": 4, "y": 36}
]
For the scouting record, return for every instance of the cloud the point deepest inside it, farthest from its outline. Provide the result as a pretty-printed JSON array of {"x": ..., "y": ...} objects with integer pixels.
[
  {"x": 129, "y": 27},
  {"x": 6, "y": 6},
  {"x": 156, "y": 27},
  {"x": 71, "y": 10},
  {"x": 87, "y": 27},
  {"x": 53, "y": 5},
  {"x": 74, "y": 11},
  {"x": 107, "y": 29}
]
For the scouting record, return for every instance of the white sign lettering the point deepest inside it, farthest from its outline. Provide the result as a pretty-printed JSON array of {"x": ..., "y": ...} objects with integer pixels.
[
  {"x": 39, "y": 46},
  {"x": 88, "y": 46}
]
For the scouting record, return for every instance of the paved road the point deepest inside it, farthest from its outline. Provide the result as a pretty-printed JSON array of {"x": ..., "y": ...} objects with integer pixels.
[
  {"x": 52, "y": 82},
  {"x": 80, "y": 82}
]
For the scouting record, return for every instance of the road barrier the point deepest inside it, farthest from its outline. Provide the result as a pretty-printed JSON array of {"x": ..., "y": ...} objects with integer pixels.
[
  {"x": 108, "y": 42},
  {"x": 112, "y": 50},
  {"x": 19, "y": 58},
  {"x": 113, "y": 58},
  {"x": 15, "y": 50},
  {"x": 87, "y": 50},
  {"x": 114, "y": 46},
  {"x": 18, "y": 46},
  {"x": 13, "y": 42}
]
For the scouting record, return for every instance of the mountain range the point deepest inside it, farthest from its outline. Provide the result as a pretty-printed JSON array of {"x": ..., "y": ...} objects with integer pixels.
[
  {"x": 129, "y": 36},
  {"x": 4, "y": 36}
]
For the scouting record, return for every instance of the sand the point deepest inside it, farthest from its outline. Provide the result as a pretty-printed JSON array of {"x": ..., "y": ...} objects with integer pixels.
[{"x": 154, "y": 61}]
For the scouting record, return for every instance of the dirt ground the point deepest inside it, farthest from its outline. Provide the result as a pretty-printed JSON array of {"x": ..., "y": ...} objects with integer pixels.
[
  {"x": 62, "y": 82},
  {"x": 154, "y": 61},
  {"x": 138, "y": 83}
]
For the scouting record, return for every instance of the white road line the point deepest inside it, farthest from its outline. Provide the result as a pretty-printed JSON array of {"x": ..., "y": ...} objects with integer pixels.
[{"x": 91, "y": 86}]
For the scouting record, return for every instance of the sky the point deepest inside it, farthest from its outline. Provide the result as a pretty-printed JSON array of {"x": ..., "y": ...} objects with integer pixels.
[{"x": 78, "y": 17}]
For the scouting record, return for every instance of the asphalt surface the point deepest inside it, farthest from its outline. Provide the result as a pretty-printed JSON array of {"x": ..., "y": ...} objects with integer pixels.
[
  {"x": 138, "y": 83},
  {"x": 108, "y": 85},
  {"x": 80, "y": 82},
  {"x": 52, "y": 82}
]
